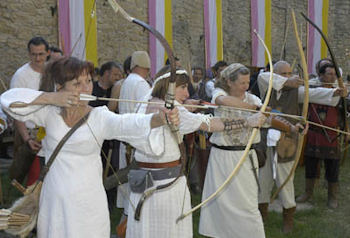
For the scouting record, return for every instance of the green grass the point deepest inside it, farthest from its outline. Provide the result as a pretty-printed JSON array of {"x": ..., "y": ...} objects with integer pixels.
[{"x": 319, "y": 222}]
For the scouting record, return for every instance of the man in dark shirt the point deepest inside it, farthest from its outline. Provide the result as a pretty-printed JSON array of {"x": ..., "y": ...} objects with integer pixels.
[{"x": 110, "y": 73}]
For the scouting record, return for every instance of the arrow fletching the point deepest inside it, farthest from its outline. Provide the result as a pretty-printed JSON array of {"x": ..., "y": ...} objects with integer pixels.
[{"x": 87, "y": 97}]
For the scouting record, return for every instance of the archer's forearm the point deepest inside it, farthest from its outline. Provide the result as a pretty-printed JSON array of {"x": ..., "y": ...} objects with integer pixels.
[
  {"x": 281, "y": 124},
  {"x": 233, "y": 102}
]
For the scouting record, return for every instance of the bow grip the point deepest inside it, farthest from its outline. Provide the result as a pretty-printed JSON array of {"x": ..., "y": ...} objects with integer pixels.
[{"x": 169, "y": 104}]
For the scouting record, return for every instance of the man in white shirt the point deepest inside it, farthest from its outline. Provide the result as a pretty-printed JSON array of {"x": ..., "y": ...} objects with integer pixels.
[
  {"x": 210, "y": 85},
  {"x": 28, "y": 76},
  {"x": 134, "y": 87}
]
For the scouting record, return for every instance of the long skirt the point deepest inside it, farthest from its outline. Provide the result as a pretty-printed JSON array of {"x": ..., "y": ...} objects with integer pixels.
[{"x": 233, "y": 212}]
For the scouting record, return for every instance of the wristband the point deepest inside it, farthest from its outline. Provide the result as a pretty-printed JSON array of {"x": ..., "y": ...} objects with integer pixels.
[{"x": 234, "y": 125}]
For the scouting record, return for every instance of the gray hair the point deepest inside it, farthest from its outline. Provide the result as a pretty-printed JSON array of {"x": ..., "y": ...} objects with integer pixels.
[
  {"x": 277, "y": 66},
  {"x": 231, "y": 73}
]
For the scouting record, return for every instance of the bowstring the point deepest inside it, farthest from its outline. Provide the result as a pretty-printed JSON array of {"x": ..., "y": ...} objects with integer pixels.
[{"x": 104, "y": 156}]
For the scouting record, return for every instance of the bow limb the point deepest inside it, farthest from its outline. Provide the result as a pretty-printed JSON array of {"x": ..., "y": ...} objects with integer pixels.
[
  {"x": 305, "y": 107},
  {"x": 339, "y": 77},
  {"x": 169, "y": 98},
  {"x": 324, "y": 37},
  {"x": 249, "y": 144}
]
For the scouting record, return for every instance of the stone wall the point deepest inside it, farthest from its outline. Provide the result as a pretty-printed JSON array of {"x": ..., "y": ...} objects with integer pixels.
[
  {"x": 116, "y": 37},
  {"x": 340, "y": 33},
  {"x": 22, "y": 19}
]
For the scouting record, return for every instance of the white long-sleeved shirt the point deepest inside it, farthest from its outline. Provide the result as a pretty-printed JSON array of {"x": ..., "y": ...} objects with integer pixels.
[
  {"x": 134, "y": 87},
  {"x": 319, "y": 95},
  {"x": 209, "y": 87}
]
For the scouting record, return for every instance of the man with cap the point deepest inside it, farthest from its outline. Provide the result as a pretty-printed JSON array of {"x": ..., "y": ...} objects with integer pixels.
[{"x": 134, "y": 87}]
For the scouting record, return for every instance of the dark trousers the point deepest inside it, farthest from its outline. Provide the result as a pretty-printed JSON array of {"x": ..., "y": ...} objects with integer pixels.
[
  {"x": 114, "y": 146},
  {"x": 331, "y": 168}
]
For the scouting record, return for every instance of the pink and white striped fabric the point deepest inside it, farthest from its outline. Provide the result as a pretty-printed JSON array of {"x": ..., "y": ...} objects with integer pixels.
[
  {"x": 316, "y": 47},
  {"x": 159, "y": 13},
  {"x": 261, "y": 22},
  {"x": 77, "y": 28},
  {"x": 213, "y": 32}
]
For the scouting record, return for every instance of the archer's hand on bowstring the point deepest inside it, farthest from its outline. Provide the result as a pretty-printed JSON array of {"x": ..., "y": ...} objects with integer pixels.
[
  {"x": 294, "y": 82},
  {"x": 67, "y": 99}
]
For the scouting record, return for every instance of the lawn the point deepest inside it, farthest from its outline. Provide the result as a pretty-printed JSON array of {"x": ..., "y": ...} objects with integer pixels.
[{"x": 318, "y": 222}]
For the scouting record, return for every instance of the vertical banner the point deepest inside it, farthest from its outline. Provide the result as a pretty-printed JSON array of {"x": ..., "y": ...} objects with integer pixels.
[
  {"x": 78, "y": 28},
  {"x": 159, "y": 13},
  {"x": 261, "y": 22},
  {"x": 213, "y": 32},
  {"x": 64, "y": 26},
  {"x": 316, "y": 47},
  {"x": 90, "y": 31}
]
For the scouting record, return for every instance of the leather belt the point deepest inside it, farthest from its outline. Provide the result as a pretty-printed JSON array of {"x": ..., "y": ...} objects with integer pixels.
[
  {"x": 158, "y": 165},
  {"x": 234, "y": 147},
  {"x": 166, "y": 173}
]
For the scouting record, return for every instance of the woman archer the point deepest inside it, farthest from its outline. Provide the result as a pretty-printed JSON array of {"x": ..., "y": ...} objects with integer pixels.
[
  {"x": 163, "y": 207},
  {"x": 73, "y": 201},
  {"x": 234, "y": 212}
]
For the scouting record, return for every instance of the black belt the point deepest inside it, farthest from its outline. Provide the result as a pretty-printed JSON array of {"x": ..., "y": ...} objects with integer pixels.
[{"x": 234, "y": 147}]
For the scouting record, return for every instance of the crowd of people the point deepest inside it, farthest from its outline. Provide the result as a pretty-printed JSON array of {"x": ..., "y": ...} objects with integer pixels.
[{"x": 166, "y": 152}]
